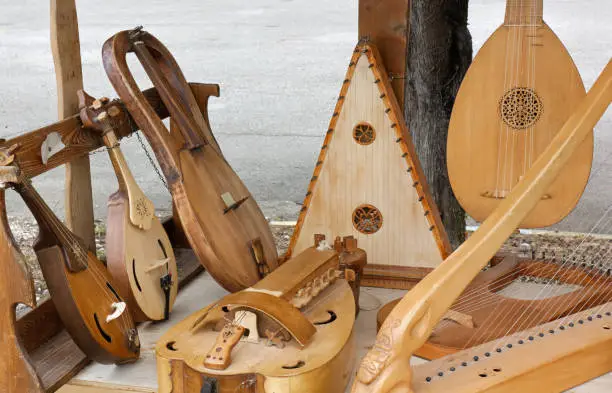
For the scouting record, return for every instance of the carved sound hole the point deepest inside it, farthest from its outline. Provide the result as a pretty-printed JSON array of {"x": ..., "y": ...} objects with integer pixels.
[
  {"x": 367, "y": 219},
  {"x": 141, "y": 207},
  {"x": 520, "y": 107},
  {"x": 364, "y": 134}
]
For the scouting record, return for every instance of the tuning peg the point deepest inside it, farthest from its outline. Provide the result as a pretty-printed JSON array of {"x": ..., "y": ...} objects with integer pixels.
[
  {"x": 102, "y": 116},
  {"x": 113, "y": 111}
]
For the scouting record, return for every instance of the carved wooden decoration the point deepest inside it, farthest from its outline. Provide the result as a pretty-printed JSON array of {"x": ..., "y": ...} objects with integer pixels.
[
  {"x": 17, "y": 375},
  {"x": 369, "y": 184}
]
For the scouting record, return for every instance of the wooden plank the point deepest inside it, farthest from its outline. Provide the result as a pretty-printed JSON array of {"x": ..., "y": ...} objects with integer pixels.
[
  {"x": 385, "y": 24},
  {"x": 67, "y": 59}
]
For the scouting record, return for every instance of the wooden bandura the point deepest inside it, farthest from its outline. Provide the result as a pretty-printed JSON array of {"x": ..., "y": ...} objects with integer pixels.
[
  {"x": 386, "y": 367},
  {"x": 138, "y": 252},
  {"x": 515, "y": 97},
  {"x": 17, "y": 374},
  {"x": 299, "y": 321},
  {"x": 225, "y": 227},
  {"x": 83, "y": 292},
  {"x": 368, "y": 182}
]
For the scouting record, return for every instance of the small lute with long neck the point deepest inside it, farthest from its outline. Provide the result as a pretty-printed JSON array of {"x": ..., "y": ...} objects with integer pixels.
[
  {"x": 83, "y": 292},
  {"x": 516, "y": 95},
  {"x": 139, "y": 253}
]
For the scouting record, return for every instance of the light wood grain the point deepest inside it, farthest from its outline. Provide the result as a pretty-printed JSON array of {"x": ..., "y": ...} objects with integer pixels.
[
  {"x": 66, "y": 51},
  {"x": 485, "y": 155},
  {"x": 385, "y": 174},
  {"x": 386, "y": 367}
]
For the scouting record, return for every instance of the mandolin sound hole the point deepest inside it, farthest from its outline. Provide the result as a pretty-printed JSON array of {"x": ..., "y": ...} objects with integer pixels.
[
  {"x": 299, "y": 364},
  {"x": 135, "y": 276},
  {"x": 170, "y": 345},
  {"x": 367, "y": 219},
  {"x": 104, "y": 335},
  {"x": 520, "y": 107},
  {"x": 332, "y": 318},
  {"x": 113, "y": 291}
]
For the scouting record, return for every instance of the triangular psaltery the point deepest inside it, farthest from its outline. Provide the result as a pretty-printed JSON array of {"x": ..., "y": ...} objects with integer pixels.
[{"x": 368, "y": 183}]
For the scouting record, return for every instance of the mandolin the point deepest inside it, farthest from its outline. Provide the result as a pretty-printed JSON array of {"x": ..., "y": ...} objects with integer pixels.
[
  {"x": 226, "y": 229},
  {"x": 83, "y": 292},
  {"x": 139, "y": 254},
  {"x": 290, "y": 332},
  {"x": 17, "y": 374},
  {"x": 515, "y": 97}
]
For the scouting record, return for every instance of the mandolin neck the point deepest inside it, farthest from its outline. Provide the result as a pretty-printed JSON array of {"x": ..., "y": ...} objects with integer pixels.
[
  {"x": 524, "y": 12},
  {"x": 52, "y": 227},
  {"x": 124, "y": 175}
]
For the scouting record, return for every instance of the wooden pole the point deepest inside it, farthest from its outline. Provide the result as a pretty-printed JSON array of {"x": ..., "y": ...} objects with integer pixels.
[
  {"x": 385, "y": 24},
  {"x": 67, "y": 59}
]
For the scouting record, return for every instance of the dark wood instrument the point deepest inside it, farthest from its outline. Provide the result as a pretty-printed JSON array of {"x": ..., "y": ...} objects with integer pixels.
[
  {"x": 16, "y": 372},
  {"x": 139, "y": 254},
  {"x": 225, "y": 227},
  {"x": 82, "y": 290}
]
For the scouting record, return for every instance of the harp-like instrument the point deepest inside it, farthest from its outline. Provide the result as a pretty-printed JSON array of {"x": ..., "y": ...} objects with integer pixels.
[
  {"x": 574, "y": 349},
  {"x": 516, "y": 95}
]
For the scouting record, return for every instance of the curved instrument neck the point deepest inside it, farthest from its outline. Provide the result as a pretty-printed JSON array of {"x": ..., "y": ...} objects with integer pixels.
[
  {"x": 524, "y": 12},
  {"x": 51, "y": 225},
  {"x": 124, "y": 175}
]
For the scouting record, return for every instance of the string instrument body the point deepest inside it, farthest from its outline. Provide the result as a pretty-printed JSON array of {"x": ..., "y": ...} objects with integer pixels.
[
  {"x": 516, "y": 95},
  {"x": 139, "y": 254},
  {"x": 223, "y": 223},
  {"x": 17, "y": 374},
  {"x": 299, "y": 321},
  {"x": 485, "y": 313},
  {"x": 82, "y": 291}
]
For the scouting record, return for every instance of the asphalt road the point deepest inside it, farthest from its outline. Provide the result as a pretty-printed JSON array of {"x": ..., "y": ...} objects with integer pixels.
[{"x": 279, "y": 63}]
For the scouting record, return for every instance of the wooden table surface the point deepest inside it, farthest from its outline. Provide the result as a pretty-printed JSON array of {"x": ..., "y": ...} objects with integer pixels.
[{"x": 141, "y": 376}]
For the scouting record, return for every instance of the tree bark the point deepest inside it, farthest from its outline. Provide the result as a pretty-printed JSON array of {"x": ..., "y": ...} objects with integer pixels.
[{"x": 439, "y": 54}]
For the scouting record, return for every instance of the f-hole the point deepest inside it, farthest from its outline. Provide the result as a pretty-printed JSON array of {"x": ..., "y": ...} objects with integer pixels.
[
  {"x": 332, "y": 318},
  {"x": 135, "y": 276},
  {"x": 299, "y": 364},
  {"x": 161, "y": 245},
  {"x": 102, "y": 332},
  {"x": 114, "y": 292}
]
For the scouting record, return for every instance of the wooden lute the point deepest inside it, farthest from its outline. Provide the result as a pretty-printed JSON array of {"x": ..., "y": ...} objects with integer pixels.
[
  {"x": 139, "y": 254},
  {"x": 83, "y": 292},
  {"x": 515, "y": 97},
  {"x": 290, "y": 332},
  {"x": 225, "y": 227},
  {"x": 16, "y": 372}
]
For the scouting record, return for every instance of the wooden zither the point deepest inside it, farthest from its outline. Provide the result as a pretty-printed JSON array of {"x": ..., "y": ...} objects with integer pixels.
[
  {"x": 516, "y": 95},
  {"x": 223, "y": 223},
  {"x": 539, "y": 357},
  {"x": 290, "y": 332},
  {"x": 138, "y": 251},
  {"x": 368, "y": 183}
]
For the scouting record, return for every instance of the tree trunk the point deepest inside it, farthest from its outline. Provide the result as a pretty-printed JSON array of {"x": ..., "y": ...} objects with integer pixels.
[{"x": 439, "y": 53}]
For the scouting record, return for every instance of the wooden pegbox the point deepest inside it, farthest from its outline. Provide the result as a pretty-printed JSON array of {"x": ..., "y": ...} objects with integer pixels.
[{"x": 368, "y": 183}]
